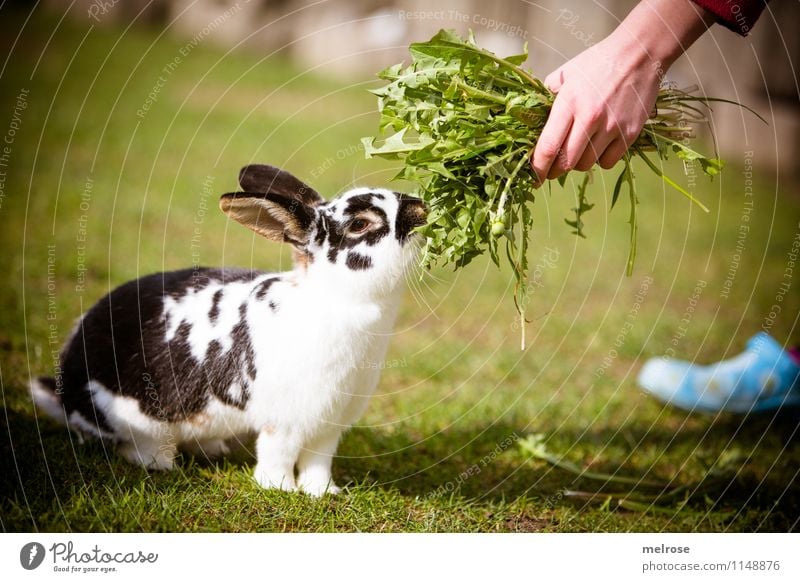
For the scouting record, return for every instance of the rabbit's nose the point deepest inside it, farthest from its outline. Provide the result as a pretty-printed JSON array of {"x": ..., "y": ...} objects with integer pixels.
[{"x": 411, "y": 213}]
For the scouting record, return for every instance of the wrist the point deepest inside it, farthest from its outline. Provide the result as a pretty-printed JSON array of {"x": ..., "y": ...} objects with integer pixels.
[{"x": 657, "y": 32}]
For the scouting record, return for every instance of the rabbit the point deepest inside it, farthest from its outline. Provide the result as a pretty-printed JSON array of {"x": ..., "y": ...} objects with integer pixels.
[{"x": 189, "y": 359}]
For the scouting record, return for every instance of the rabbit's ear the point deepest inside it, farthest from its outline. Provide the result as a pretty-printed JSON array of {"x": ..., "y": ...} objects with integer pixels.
[
  {"x": 276, "y": 217},
  {"x": 264, "y": 178}
]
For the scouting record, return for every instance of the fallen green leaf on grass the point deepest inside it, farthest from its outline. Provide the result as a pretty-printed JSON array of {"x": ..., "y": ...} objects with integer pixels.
[{"x": 662, "y": 497}]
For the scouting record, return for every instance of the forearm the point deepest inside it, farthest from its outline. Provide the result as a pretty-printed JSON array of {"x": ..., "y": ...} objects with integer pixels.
[
  {"x": 605, "y": 94},
  {"x": 657, "y": 32}
]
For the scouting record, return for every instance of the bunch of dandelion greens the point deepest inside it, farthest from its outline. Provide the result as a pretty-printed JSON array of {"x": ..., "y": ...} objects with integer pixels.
[{"x": 464, "y": 123}]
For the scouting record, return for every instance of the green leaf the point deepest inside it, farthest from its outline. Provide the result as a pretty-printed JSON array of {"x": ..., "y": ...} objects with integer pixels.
[
  {"x": 618, "y": 186},
  {"x": 582, "y": 207},
  {"x": 395, "y": 144}
]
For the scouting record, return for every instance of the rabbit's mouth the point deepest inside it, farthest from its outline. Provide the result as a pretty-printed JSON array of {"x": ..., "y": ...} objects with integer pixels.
[{"x": 411, "y": 214}]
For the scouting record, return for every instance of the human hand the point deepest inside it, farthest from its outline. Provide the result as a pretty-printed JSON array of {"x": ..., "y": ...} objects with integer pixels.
[{"x": 604, "y": 96}]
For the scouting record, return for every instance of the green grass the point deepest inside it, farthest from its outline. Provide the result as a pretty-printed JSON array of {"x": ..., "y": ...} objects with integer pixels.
[{"x": 464, "y": 386}]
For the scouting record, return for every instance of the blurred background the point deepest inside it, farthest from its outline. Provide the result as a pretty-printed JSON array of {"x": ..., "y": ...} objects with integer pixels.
[
  {"x": 123, "y": 121},
  {"x": 353, "y": 39}
]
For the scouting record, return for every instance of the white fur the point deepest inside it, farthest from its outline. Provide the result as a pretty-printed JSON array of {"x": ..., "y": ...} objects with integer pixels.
[{"x": 47, "y": 400}]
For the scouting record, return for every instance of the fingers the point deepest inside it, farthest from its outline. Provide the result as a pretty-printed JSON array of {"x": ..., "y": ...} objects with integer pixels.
[
  {"x": 613, "y": 154},
  {"x": 581, "y": 131},
  {"x": 580, "y": 152},
  {"x": 597, "y": 146},
  {"x": 554, "y": 80},
  {"x": 553, "y": 135},
  {"x": 572, "y": 150}
]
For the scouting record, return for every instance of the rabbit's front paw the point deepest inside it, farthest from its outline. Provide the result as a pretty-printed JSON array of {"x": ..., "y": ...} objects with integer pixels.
[
  {"x": 320, "y": 490},
  {"x": 270, "y": 478},
  {"x": 149, "y": 454},
  {"x": 317, "y": 487}
]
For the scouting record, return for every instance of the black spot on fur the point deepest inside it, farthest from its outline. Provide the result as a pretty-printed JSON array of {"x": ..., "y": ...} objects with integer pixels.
[
  {"x": 273, "y": 306},
  {"x": 176, "y": 284},
  {"x": 48, "y": 382},
  {"x": 262, "y": 289},
  {"x": 358, "y": 203},
  {"x": 322, "y": 228},
  {"x": 358, "y": 262},
  {"x": 336, "y": 232},
  {"x": 121, "y": 344},
  {"x": 333, "y": 253},
  {"x": 213, "y": 313},
  {"x": 222, "y": 370},
  {"x": 214, "y": 349}
]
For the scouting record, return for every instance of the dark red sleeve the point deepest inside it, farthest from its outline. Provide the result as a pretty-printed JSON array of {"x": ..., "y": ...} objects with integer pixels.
[{"x": 738, "y": 15}]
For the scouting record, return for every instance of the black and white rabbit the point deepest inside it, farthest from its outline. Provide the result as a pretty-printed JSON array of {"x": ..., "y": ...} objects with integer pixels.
[{"x": 188, "y": 359}]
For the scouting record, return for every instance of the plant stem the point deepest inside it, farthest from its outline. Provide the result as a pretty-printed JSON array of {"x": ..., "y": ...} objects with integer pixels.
[
  {"x": 474, "y": 91},
  {"x": 672, "y": 183},
  {"x": 597, "y": 476},
  {"x": 504, "y": 196}
]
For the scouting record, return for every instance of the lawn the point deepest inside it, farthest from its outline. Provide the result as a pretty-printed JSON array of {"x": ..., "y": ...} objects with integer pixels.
[{"x": 118, "y": 155}]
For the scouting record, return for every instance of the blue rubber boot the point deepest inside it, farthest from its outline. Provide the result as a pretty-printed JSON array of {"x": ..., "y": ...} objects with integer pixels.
[{"x": 763, "y": 377}]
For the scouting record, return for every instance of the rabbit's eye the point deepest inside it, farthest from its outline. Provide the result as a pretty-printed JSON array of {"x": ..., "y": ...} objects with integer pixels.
[{"x": 358, "y": 226}]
